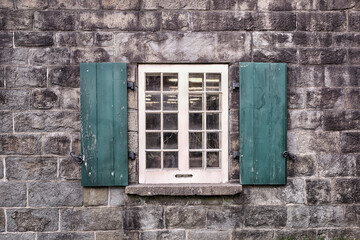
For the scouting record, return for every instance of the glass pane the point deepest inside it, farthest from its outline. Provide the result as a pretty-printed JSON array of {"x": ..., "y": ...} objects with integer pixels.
[
  {"x": 212, "y": 140},
  {"x": 153, "y": 159},
  {"x": 212, "y": 102},
  {"x": 170, "y": 81},
  {"x": 195, "y": 121},
  {"x": 153, "y": 121},
  {"x": 213, "y": 81},
  {"x": 170, "y": 102},
  {"x": 212, "y": 121},
  {"x": 195, "y": 159},
  {"x": 196, "y": 81},
  {"x": 152, "y": 102},
  {"x": 153, "y": 140},
  {"x": 170, "y": 121},
  {"x": 195, "y": 140},
  {"x": 152, "y": 82},
  {"x": 170, "y": 141},
  {"x": 195, "y": 102},
  {"x": 170, "y": 159},
  {"x": 212, "y": 159}
]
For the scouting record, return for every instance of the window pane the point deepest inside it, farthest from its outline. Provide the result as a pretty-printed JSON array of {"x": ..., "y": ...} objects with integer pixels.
[
  {"x": 170, "y": 159},
  {"x": 153, "y": 140},
  {"x": 213, "y": 81},
  {"x": 212, "y": 102},
  {"x": 212, "y": 121},
  {"x": 196, "y": 81},
  {"x": 170, "y": 141},
  {"x": 152, "y": 82},
  {"x": 153, "y": 159},
  {"x": 152, "y": 102},
  {"x": 212, "y": 140},
  {"x": 195, "y": 140},
  {"x": 170, "y": 121},
  {"x": 195, "y": 121},
  {"x": 170, "y": 82},
  {"x": 170, "y": 102},
  {"x": 195, "y": 159},
  {"x": 212, "y": 159},
  {"x": 153, "y": 121},
  {"x": 195, "y": 102}
]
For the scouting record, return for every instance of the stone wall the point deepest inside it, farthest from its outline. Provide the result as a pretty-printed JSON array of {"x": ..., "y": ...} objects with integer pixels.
[{"x": 42, "y": 43}]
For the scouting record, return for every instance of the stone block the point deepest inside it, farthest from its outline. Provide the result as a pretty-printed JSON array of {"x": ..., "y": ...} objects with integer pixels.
[
  {"x": 294, "y": 191},
  {"x": 31, "y": 168},
  {"x": 42, "y": 99},
  {"x": 6, "y": 39},
  {"x": 104, "y": 39},
  {"x": 15, "y": 194},
  {"x": 265, "y": 216},
  {"x": 33, "y": 39},
  {"x": 208, "y": 235},
  {"x": 252, "y": 234},
  {"x": 74, "y": 4},
  {"x": 42, "y": 121},
  {"x": 69, "y": 169},
  {"x": 354, "y": 21},
  {"x": 124, "y": 235},
  {"x": 318, "y": 191},
  {"x": 95, "y": 196},
  {"x": 303, "y": 39},
  {"x": 346, "y": 191},
  {"x": 118, "y": 197},
  {"x": 352, "y": 98},
  {"x": 354, "y": 55},
  {"x": 18, "y": 236},
  {"x": 342, "y": 233},
  {"x": 304, "y": 119},
  {"x": 263, "y": 195},
  {"x": 16, "y": 20},
  {"x": 224, "y": 217},
  {"x": 325, "y": 98},
  {"x": 314, "y": 142},
  {"x": 295, "y": 98},
  {"x": 318, "y": 21},
  {"x": 346, "y": 40},
  {"x": 147, "y": 217},
  {"x": 352, "y": 216},
  {"x": 350, "y": 142},
  {"x": 6, "y": 125},
  {"x": 74, "y": 39},
  {"x": 14, "y": 100},
  {"x": 120, "y": 5},
  {"x": 70, "y": 99},
  {"x": 55, "y": 20},
  {"x": 19, "y": 77},
  {"x": 338, "y": 120},
  {"x": 91, "y": 219},
  {"x": 176, "y": 4},
  {"x": 185, "y": 217},
  {"x": 233, "y": 46},
  {"x": 305, "y": 166},
  {"x": 20, "y": 144},
  {"x": 338, "y": 76},
  {"x": 32, "y": 4},
  {"x": 76, "y": 144},
  {"x": 65, "y": 236},
  {"x": 66, "y": 76},
  {"x": 326, "y": 216},
  {"x": 262, "y": 39},
  {"x": 49, "y": 56},
  {"x": 36, "y": 220},
  {"x": 14, "y": 56},
  {"x": 336, "y": 5},
  {"x": 2, "y": 220},
  {"x": 322, "y": 56},
  {"x": 295, "y": 234},
  {"x": 57, "y": 194},
  {"x": 92, "y": 55},
  {"x": 110, "y": 20},
  {"x": 305, "y": 76},
  {"x": 163, "y": 235},
  {"x": 133, "y": 121},
  {"x": 176, "y": 21},
  {"x": 149, "y": 21},
  {"x": 298, "y": 216},
  {"x": 287, "y": 55},
  {"x": 7, "y": 4},
  {"x": 57, "y": 144},
  {"x": 276, "y": 6},
  {"x": 336, "y": 165}
]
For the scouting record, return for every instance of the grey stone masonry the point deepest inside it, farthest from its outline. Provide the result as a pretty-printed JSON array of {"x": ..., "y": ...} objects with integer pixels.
[{"x": 42, "y": 44}]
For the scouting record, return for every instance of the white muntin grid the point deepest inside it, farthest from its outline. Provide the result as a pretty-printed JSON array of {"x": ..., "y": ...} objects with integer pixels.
[{"x": 217, "y": 174}]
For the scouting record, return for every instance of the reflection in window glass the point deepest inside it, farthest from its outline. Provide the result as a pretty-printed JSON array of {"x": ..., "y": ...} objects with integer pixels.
[
  {"x": 195, "y": 159},
  {"x": 170, "y": 159},
  {"x": 170, "y": 82},
  {"x": 212, "y": 159},
  {"x": 153, "y": 140},
  {"x": 170, "y": 102},
  {"x": 153, "y": 121},
  {"x": 196, "y": 81},
  {"x": 170, "y": 140},
  {"x": 212, "y": 121},
  {"x": 153, "y": 159},
  {"x": 212, "y": 102},
  {"x": 195, "y": 121},
  {"x": 195, "y": 140},
  {"x": 152, "y": 102},
  {"x": 152, "y": 82},
  {"x": 195, "y": 102},
  {"x": 213, "y": 81},
  {"x": 212, "y": 140},
  {"x": 170, "y": 121}
]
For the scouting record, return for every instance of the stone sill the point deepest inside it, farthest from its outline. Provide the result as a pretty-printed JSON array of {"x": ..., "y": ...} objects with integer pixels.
[{"x": 209, "y": 189}]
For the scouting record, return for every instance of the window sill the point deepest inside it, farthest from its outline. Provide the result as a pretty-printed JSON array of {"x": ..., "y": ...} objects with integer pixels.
[{"x": 184, "y": 189}]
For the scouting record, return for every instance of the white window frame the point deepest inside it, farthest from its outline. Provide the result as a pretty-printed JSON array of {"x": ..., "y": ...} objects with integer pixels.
[{"x": 209, "y": 175}]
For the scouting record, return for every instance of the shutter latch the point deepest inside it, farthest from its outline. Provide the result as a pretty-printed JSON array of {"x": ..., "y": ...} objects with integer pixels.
[
  {"x": 235, "y": 85},
  {"x": 76, "y": 158},
  {"x": 131, "y": 85},
  {"x": 131, "y": 155},
  {"x": 287, "y": 155},
  {"x": 235, "y": 154}
]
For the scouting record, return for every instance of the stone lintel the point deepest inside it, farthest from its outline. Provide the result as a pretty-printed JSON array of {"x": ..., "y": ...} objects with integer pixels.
[{"x": 184, "y": 189}]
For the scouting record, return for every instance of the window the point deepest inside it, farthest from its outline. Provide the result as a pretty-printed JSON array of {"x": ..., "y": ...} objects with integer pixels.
[{"x": 183, "y": 123}]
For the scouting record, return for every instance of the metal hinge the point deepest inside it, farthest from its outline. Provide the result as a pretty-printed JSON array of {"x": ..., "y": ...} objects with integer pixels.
[
  {"x": 131, "y": 155},
  {"x": 78, "y": 159},
  {"x": 235, "y": 86},
  {"x": 131, "y": 85},
  {"x": 287, "y": 155},
  {"x": 235, "y": 154}
]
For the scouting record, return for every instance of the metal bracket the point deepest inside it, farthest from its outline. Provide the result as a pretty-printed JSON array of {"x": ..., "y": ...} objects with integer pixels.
[
  {"x": 235, "y": 86},
  {"x": 131, "y": 85},
  {"x": 235, "y": 154},
  {"x": 287, "y": 154},
  {"x": 131, "y": 155},
  {"x": 76, "y": 158}
]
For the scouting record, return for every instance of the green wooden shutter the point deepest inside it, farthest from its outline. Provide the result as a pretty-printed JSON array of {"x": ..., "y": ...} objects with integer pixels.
[
  {"x": 104, "y": 143},
  {"x": 263, "y": 123}
]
